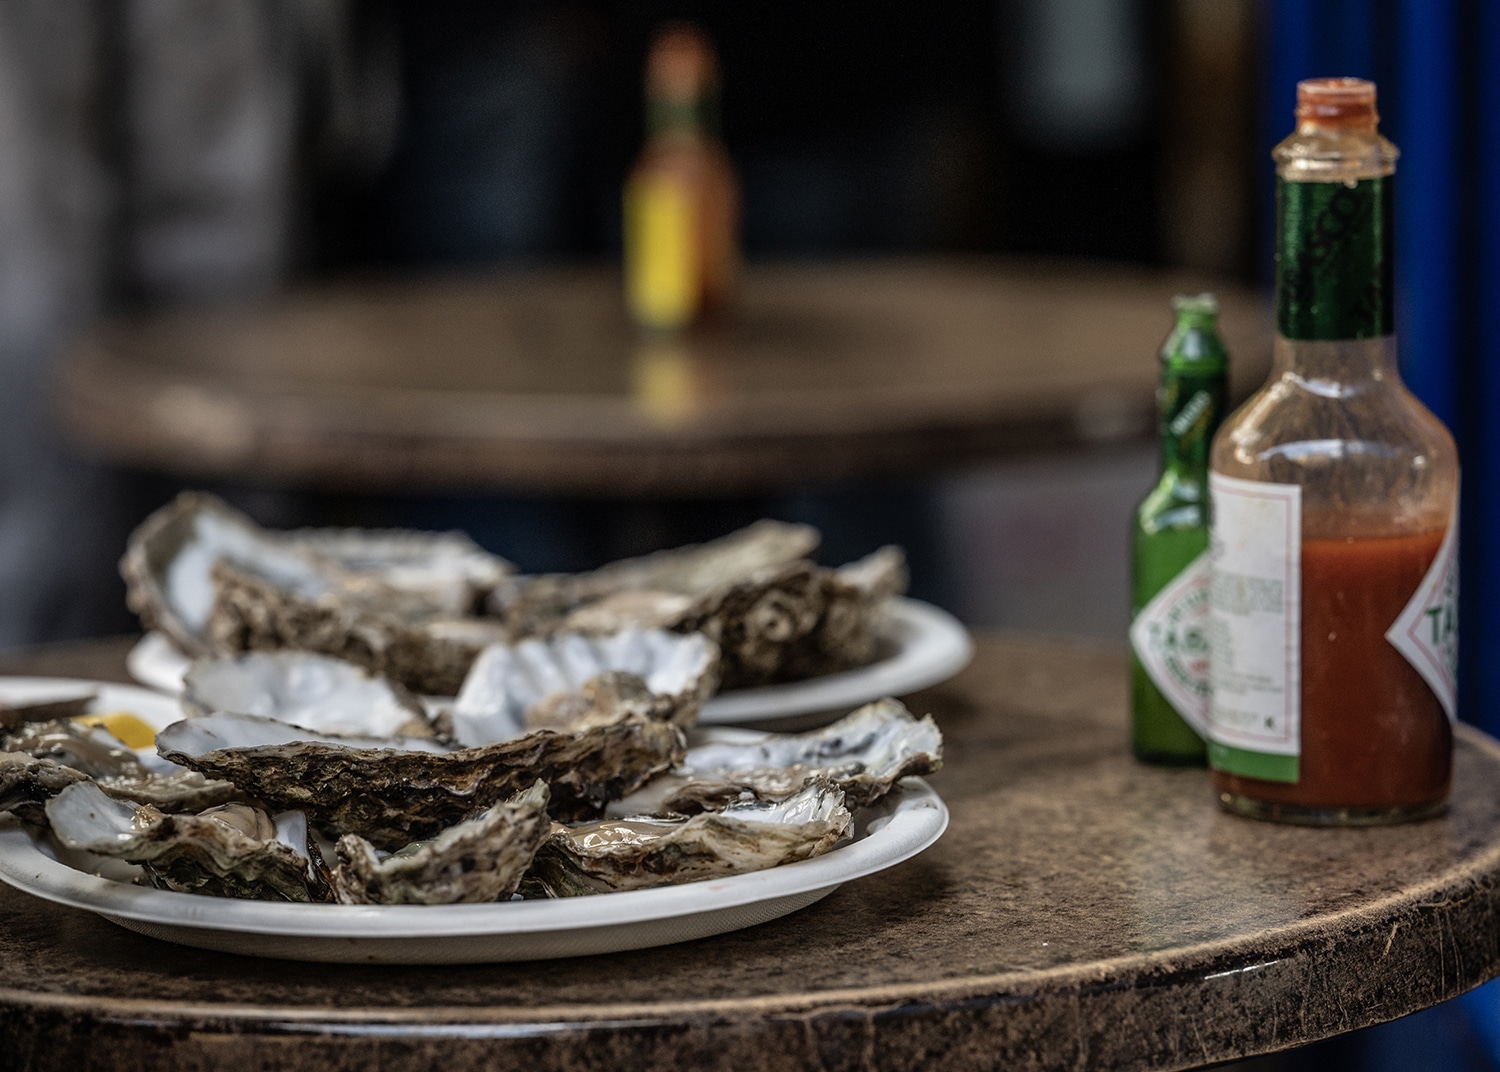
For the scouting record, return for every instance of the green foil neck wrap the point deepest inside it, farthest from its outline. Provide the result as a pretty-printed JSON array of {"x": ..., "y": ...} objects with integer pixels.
[{"x": 1333, "y": 259}]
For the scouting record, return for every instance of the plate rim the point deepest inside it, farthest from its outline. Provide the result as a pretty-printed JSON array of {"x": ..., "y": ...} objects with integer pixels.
[
  {"x": 918, "y": 819},
  {"x": 905, "y": 672}
]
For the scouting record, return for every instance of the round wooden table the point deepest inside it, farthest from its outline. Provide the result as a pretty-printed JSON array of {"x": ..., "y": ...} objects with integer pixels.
[
  {"x": 1082, "y": 912},
  {"x": 535, "y": 381}
]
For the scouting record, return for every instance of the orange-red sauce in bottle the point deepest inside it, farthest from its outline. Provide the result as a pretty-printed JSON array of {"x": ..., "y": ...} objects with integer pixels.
[{"x": 1374, "y": 735}]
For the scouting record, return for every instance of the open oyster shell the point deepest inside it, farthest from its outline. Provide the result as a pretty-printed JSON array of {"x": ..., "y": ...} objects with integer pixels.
[
  {"x": 92, "y": 753},
  {"x": 234, "y": 850},
  {"x": 775, "y": 614},
  {"x": 431, "y": 655},
  {"x": 571, "y": 682},
  {"x": 477, "y": 861},
  {"x": 447, "y": 571},
  {"x": 398, "y": 791},
  {"x": 636, "y": 853},
  {"x": 317, "y": 692},
  {"x": 169, "y": 569},
  {"x": 12, "y": 716},
  {"x": 864, "y": 754},
  {"x": 27, "y": 783}
]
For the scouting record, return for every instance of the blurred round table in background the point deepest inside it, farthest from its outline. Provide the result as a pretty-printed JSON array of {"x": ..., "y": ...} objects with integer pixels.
[
  {"x": 534, "y": 381},
  {"x": 1083, "y": 911}
]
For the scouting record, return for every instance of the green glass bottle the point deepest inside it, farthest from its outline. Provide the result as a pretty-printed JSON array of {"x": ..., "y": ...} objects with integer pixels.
[{"x": 1169, "y": 546}]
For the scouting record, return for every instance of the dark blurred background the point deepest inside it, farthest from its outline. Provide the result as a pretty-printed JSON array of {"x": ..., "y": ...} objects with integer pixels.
[{"x": 162, "y": 154}]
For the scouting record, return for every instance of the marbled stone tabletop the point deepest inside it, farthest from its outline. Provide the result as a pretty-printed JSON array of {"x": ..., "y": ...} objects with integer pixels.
[{"x": 1082, "y": 912}]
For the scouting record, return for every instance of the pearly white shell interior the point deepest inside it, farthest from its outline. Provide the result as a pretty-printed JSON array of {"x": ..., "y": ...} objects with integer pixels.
[
  {"x": 506, "y": 679},
  {"x": 878, "y": 736},
  {"x": 317, "y": 692},
  {"x": 223, "y": 729}
]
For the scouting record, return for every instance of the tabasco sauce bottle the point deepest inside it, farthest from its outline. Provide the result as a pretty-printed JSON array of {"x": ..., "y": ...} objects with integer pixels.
[
  {"x": 1169, "y": 560},
  {"x": 1334, "y": 520},
  {"x": 681, "y": 199}
]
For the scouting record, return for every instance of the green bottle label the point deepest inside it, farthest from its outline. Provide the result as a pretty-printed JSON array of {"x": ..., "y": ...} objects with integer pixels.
[
  {"x": 1333, "y": 259},
  {"x": 1191, "y": 407}
]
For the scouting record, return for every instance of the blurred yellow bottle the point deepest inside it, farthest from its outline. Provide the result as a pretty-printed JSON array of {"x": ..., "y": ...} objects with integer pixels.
[{"x": 681, "y": 200}]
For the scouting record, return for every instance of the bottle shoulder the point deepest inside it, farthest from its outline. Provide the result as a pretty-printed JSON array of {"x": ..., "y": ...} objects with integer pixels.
[{"x": 1370, "y": 458}]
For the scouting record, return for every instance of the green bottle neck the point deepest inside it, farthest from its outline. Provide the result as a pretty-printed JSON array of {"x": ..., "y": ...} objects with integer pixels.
[{"x": 1191, "y": 396}]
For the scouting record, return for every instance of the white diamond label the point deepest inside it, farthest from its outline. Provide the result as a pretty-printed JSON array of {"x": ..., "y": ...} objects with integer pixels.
[
  {"x": 1427, "y": 630},
  {"x": 1170, "y": 637}
]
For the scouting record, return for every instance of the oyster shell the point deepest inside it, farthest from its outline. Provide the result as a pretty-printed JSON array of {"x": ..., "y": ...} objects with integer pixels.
[
  {"x": 27, "y": 783},
  {"x": 775, "y": 614},
  {"x": 169, "y": 569},
  {"x": 636, "y": 853},
  {"x": 864, "y": 754},
  {"x": 571, "y": 682},
  {"x": 450, "y": 573},
  {"x": 317, "y": 692},
  {"x": 479, "y": 860},
  {"x": 541, "y": 604},
  {"x": 234, "y": 850},
  {"x": 92, "y": 753},
  {"x": 15, "y": 715},
  {"x": 394, "y": 792},
  {"x": 251, "y": 612}
]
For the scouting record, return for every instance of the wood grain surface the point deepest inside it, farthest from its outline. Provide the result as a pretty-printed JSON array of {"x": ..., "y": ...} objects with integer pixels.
[{"x": 535, "y": 381}]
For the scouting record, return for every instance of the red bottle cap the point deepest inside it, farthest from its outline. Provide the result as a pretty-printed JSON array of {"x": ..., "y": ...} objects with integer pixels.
[
  {"x": 682, "y": 63},
  {"x": 1339, "y": 103}
]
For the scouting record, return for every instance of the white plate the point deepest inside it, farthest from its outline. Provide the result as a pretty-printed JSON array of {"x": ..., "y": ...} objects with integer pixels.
[
  {"x": 908, "y": 821},
  {"x": 924, "y": 644}
]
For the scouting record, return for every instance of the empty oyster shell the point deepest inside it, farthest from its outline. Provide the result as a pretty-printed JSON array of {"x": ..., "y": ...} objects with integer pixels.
[
  {"x": 636, "y": 853},
  {"x": 398, "y": 791},
  {"x": 251, "y": 612},
  {"x": 27, "y": 783},
  {"x": 231, "y": 851},
  {"x": 170, "y": 560},
  {"x": 15, "y": 715},
  {"x": 547, "y": 683},
  {"x": 477, "y": 861},
  {"x": 774, "y": 614},
  {"x": 120, "y": 771},
  {"x": 864, "y": 754},
  {"x": 541, "y": 604},
  {"x": 449, "y": 572},
  {"x": 317, "y": 692}
]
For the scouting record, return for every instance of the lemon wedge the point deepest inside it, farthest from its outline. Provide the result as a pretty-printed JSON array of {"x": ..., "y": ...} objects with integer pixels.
[{"x": 130, "y": 730}]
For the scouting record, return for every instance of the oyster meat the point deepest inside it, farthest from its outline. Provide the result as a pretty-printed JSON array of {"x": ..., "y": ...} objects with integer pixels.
[
  {"x": 637, "y": 853},
  {"x": 317, "y": 692},
  {"x": 234, "y": 850},
  {"x": 397, "y": 791},
  {"x": 476, "y": 861},
  {"x": 774, "y": 613},
  {"x": 864, "y": 753},
  {"x": 572, "y": 682}
]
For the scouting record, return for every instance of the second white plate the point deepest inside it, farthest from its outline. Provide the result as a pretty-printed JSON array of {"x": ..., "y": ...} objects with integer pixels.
[{"x": 922, "y": 645}]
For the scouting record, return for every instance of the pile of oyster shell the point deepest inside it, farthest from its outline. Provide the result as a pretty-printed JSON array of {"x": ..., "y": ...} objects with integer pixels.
[{"x": 314, "y": 763}]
